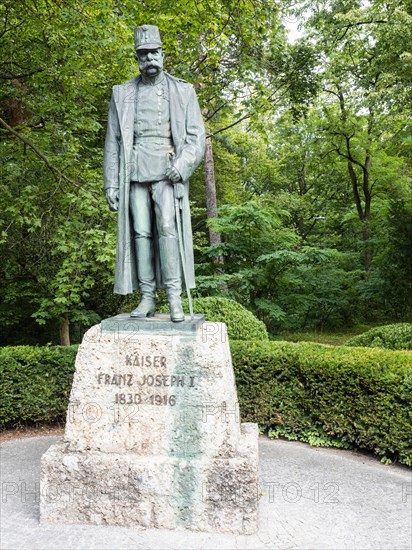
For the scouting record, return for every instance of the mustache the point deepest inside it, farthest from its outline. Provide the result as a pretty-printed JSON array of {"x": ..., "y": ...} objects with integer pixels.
[{"x": 146, "y": 64}]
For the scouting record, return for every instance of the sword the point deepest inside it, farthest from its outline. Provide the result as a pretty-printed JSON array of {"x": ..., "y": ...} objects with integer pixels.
[{"x": 178, "y": 193}]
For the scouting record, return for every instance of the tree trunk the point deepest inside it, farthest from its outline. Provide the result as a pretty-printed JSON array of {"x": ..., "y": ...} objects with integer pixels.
[
  {"x": 64, "y": 330},
  {"x": 358, "y": 187},
  {"x": 211, "y": 202},
  {"x": 367, "y": 252}
]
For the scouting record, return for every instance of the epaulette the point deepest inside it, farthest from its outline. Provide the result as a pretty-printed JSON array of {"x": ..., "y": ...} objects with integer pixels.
[{"x": 177, "y": 79}]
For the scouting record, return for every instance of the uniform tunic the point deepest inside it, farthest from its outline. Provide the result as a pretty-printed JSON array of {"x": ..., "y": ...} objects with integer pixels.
[{"x": 152, "y": 143}]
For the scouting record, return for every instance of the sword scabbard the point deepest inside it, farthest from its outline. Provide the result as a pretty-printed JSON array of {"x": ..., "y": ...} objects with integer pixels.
[{"x": 178, "y": 212}]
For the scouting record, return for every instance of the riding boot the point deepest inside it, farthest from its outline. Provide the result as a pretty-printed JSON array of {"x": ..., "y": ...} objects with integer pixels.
[
  {"x": 170, "y": 262},
  {"x": 146, "y": 277}
]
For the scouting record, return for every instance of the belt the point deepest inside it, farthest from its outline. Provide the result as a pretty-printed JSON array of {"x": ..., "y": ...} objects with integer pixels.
[
  {"x": 163, "y": 180},
  {"x": 154, "y": 139}
]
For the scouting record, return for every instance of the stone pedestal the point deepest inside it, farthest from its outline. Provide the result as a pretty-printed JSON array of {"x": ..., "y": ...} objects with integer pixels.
[{"x": 153, "y": 437}]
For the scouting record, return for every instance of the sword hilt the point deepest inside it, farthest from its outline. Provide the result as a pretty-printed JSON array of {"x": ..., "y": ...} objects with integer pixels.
[{"x": 178, "y": 190}]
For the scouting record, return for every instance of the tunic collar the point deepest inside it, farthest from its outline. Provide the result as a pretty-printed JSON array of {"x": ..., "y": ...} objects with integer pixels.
[{"x": 153, "y": 81}]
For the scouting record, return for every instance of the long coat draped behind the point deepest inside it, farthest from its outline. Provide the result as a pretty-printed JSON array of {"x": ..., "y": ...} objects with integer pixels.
[{"x": 188, "y": 134}]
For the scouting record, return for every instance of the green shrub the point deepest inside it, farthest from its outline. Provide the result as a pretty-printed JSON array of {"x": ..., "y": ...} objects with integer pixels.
[
  {"x": 397, "y": 336},
  {"x": 341, "y": 396},
  {"x": 241, "y": 323},
  {"x": 35, "y": 383},
  {"x": 328, "y": 395}
]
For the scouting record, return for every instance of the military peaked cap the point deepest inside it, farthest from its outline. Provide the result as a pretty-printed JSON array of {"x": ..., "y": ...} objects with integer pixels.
[{"x": 147, "y": 37}]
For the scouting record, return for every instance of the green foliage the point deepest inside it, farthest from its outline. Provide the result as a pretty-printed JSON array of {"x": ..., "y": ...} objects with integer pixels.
[
  {"x": 294, "y": 225},
  {"x": 241, "y": 323},
  {"x": 35, "y": 384},
  {"x": 397, "y": 336},
  {"x": 394, "y": 263},
  {"x": 335, "y": 337},
  {"x": 347, "y": 397},
  {"x": 60, "y": 61},
  {"x": 363, "y": 115},
  {"x": 267, "y": 268}
]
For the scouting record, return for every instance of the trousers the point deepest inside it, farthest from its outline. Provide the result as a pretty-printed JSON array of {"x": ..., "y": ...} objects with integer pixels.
[
  {"x": 155, "y": 200},
  {"x": 152, "y": 199}
]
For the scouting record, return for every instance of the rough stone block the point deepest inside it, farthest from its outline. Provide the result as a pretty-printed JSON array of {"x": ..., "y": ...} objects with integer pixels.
[{"x": 153, "y": 436}]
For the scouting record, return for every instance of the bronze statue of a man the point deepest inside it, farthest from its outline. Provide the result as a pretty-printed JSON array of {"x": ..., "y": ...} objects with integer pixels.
[{"x": 155, "y": 139}]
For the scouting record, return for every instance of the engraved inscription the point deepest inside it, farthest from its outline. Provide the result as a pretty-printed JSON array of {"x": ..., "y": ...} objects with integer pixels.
[
  {"x": 144, "y": 383},
  {"x": 115, "y": 379},
  {"x": 157, "y": 380},
  {"x": 161, "y": 380},
  {"x": 139, "y": 399},
  {"x": 145, "y": 361}
]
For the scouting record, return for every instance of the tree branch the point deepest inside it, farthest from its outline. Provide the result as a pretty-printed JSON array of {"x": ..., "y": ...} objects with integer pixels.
[
  {"x": 18, "y": 76},
  {"x": 241, "y": 119},
  {"x": 210, "y": 116},
  {"x": 10, "y": 28},
  {"x": 357, "y": 24},
  {"x": 331, "y": 92},
  {"x": 56, "y": 173},
  {"x": 348, "y": 156}
]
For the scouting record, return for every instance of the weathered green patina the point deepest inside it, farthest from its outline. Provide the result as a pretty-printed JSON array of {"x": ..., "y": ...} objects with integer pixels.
[{"x": 155, "y": 139}]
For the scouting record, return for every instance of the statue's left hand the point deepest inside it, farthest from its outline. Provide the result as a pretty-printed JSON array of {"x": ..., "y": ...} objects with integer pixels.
[
  {"x": 173, "y": 174},
  {"x": 112, "y": 197}
]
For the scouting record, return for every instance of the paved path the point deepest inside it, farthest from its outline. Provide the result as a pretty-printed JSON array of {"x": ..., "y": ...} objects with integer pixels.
[{"x": 313, "y": 498}]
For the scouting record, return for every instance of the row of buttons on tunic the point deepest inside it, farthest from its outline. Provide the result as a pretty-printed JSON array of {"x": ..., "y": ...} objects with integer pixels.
[
  {"x": 159, "y": 120},
  {"x": 161, "y": 92}
]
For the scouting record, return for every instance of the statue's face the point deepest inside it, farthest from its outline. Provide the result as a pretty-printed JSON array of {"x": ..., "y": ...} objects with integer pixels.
[{"x": 150, "y": 61}]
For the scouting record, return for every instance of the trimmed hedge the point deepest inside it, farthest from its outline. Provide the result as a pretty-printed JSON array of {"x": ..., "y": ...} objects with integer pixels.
[
  {"x": 396, "y": 336},
  {"x": 35, "y": 383},
  {"x": 328, "y": 395},
  {"x": 346, "y": 397},
  {"x": 241, "y": 323}
]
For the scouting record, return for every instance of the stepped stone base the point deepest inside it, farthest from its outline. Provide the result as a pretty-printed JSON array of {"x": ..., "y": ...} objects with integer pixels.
[
  {"x": 153, "y": 437},
  {"x": 218, "y": 495}
]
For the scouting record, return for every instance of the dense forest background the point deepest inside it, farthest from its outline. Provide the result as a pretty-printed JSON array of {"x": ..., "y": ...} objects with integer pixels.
[{"x": 302, "y": 210}]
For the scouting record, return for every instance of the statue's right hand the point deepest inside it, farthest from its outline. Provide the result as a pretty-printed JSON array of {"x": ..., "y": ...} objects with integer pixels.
[{"x": 112, "y": 197}]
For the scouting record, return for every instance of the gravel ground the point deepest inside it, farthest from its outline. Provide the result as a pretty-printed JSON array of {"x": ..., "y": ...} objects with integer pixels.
[{"x": 312, "y": 498}]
